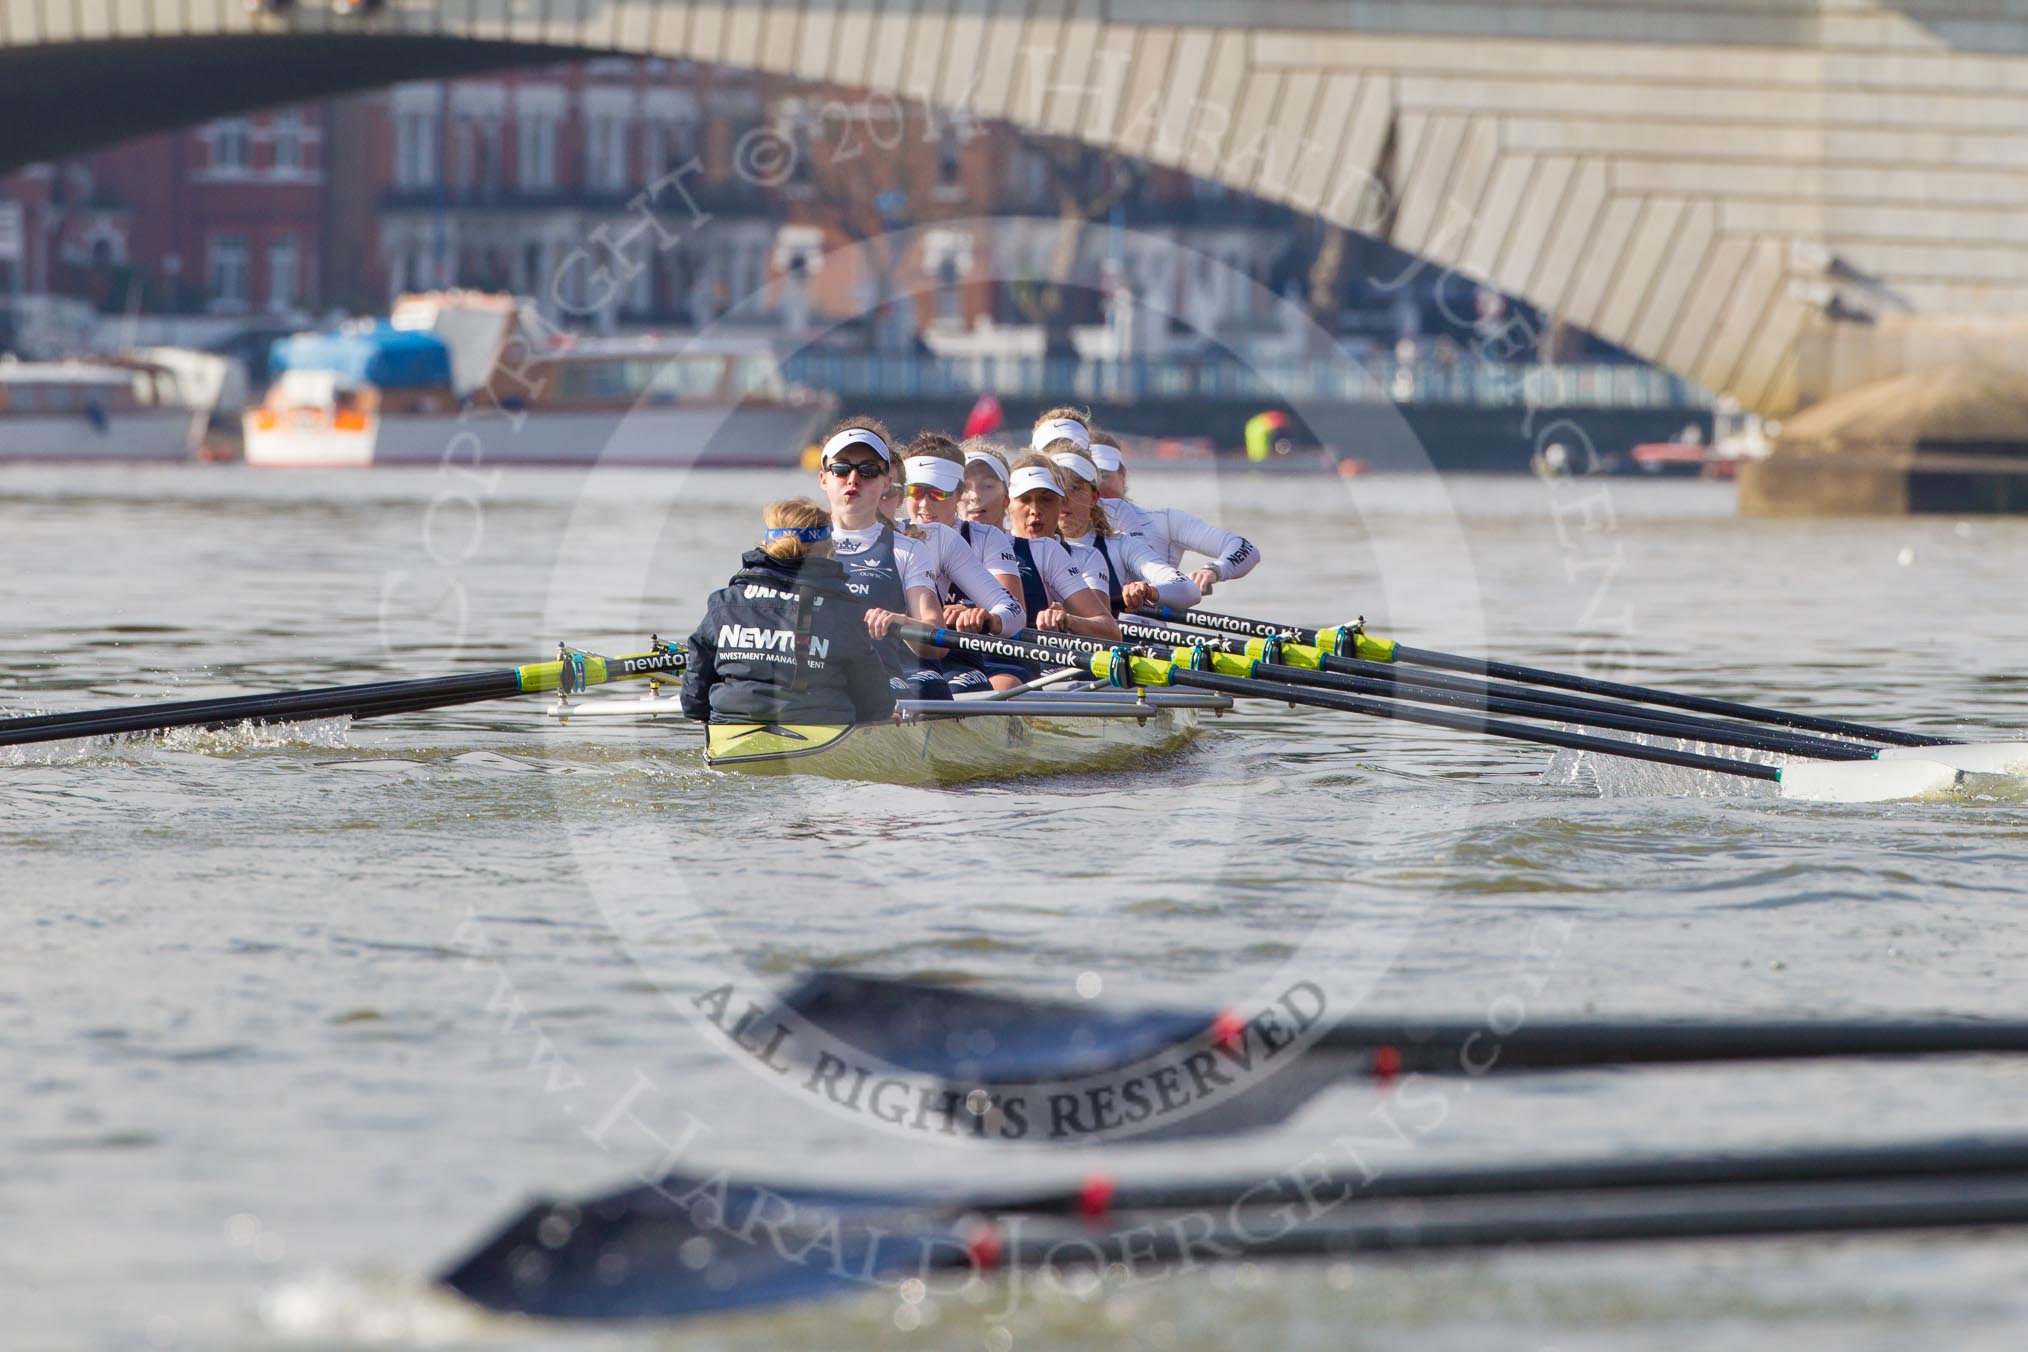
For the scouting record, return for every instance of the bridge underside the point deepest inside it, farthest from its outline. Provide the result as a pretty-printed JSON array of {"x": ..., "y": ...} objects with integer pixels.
[{"x": 112, "y": 91}]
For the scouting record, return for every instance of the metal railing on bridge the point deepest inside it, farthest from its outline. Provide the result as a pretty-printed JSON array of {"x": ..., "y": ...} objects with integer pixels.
[{"x": 1369, "y": 380}]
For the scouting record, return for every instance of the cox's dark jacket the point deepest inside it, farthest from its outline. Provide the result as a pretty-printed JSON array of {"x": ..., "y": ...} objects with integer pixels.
[{"x": 785, "y": 642}]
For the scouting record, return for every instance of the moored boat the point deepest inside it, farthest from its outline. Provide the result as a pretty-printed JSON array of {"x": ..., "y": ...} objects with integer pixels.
[
  {"x": 477, "y": 380},
  {"x": 86, "y": 410}
]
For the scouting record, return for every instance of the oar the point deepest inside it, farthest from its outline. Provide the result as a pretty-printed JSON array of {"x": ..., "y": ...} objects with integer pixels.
[
  {"x": 1312, "y": 667},
  {"x": 688, "y": 1245},
  {"x": 1317, "y": 659},
  {"x": 1350, "y": 641},
  {"x": 1809, "y": 781},
  {"x": 374, "y": 700},
  {"x": 915, "y": 1026}
]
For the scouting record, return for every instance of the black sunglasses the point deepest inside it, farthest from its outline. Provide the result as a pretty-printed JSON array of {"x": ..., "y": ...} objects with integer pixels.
[{"x": 865, "y": 469}]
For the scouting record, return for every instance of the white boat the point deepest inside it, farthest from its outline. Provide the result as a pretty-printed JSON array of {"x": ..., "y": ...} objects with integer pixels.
[
  {"x": 510, "y": 391},
  {"x": 1041, "y": 732},
  {"x": 82, "y": 410}
]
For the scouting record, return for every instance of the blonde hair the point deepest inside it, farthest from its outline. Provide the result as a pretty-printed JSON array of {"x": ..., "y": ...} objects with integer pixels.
[
  {"x": 792, "y": 514},
  {"x": 873, "y": 425},
  {"x": 1063, "y": 446},
  {"x": 972, "y": 446},
  {"x": 1099, "y": 438},
  {"x": 934, "y": 444},
  {"x": 1080, "y": 416},
  {"x": 1037, "y": 460}
]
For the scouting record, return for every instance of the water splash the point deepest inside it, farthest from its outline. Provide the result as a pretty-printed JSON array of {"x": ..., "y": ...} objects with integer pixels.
[
  {"x": 1625, "y": 777},
  {"x": 131, "y": 747}
]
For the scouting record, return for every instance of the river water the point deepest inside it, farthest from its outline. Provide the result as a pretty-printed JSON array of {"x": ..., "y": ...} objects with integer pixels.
[{"x": 292, "y": 1019}]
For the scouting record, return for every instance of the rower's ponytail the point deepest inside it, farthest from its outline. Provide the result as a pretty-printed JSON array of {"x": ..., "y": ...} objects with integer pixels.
[{"x": 794, "y": 514}]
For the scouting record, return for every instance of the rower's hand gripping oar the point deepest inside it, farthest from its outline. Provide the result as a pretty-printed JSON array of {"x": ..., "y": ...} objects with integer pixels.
[
  {"x": 1808, "y": 781},
  {"x": 571, "y": 672},
  {"x": 1351, "y": 641}
]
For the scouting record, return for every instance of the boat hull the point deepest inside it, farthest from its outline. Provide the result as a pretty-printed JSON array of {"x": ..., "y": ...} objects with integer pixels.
[
  {"x": 155, "y": 434},
  {"x": 769, "y": 435},
  {"x": 957, "y": 746}
]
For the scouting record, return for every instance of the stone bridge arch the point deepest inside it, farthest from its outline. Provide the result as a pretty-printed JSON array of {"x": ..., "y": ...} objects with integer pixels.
[{"x": 1774, "y": 201}]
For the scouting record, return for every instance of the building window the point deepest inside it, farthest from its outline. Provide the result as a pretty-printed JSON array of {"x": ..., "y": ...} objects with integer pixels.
[
  {"x": 1028, "y": 177},
  {"x": 282, "y": 279},
  {"x": 226, "y": 272},
  {"x": 415, "y": 149},
  {"x": 950, "y": 303},
  {"x": 475, "y": 149},
  {"x": 671, "y": 143},
  {"x": 230, "y": 143},
  {"x": 537, "y": 150},
  {"x": 288, "y": 141},
  {"x": 464, "y": 154},
  {"x": 606, "y": 154}
]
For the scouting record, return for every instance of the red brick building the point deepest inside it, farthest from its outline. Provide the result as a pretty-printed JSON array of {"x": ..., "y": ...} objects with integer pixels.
[
  {"x": 789, "y": 194},
  {"x": 227, "y": 218}
]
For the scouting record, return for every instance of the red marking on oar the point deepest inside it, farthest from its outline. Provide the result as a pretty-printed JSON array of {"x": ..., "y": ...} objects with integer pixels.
[
  {"x": 1227, "y": 1030},
  {"x": 1095, "y": 1198},
  {"x": 983, "y": 1246},
  {"x": 1386, "y": 1064}
]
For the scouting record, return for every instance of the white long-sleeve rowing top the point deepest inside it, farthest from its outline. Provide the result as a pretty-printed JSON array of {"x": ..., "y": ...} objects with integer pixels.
[
  {"x": 1170, "y": 532},
  {"x": 1133, "y": 561},
  {"x": 959, "y": 571}
]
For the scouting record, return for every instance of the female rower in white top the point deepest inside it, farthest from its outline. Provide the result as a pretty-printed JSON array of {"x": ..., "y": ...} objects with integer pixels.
[
  {"x": 935, "y": 472},
  {"x": 984, "y": 499},
  {"x": 886, "y": 569},
  {"x": 1123, "y": 566},
  {"x": 1169, "y": 531},
  {"x": 1056, "y": 594},
  {"x": 974, "y": 564}
]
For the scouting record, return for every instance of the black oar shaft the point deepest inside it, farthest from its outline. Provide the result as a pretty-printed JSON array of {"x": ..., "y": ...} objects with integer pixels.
[
  {"x": 1527, "y": 708},
  {"x": 687, "y": 1245},
  {"x": 1944, "y": 1158},
  {"x": 1154, "y": 1241},
  {"x": 359, "y": 701},
  {"x": 1510, "y": 671},
  {"x": 1465, "y": 722},
  {"x": 1721, "y": 708},
  {"x": 1233, "y": 624},
  {"x": 1356, "y": 704},
  {"x": 225, "y": 704},
  {"x": 327, "y": 703},
  {"x": 1686, "y": 725}
]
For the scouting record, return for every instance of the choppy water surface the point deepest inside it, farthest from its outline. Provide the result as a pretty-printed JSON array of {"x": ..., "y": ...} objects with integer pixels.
[{"x": 289, "y": 1021}]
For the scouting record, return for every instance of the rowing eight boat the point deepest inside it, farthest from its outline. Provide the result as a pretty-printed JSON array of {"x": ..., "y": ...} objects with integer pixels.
[{"x": 950, "y": 741}]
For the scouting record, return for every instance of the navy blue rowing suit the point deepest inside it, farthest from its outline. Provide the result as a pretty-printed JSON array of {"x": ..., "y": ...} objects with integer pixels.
[{"x": 874, "y": 576}]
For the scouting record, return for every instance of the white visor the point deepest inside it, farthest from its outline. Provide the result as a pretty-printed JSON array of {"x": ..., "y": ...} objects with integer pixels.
[
  {"x": 1031, "y": 478},
  {"x": 1049, "y": 429},
  {"x": 1106, "y": 457},
  {"x": 992, "y": 462},
  {"x": 937, "y": 473},
  {"x": 856, "y": 436},
  {"x": 1077, "y": 465}
]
